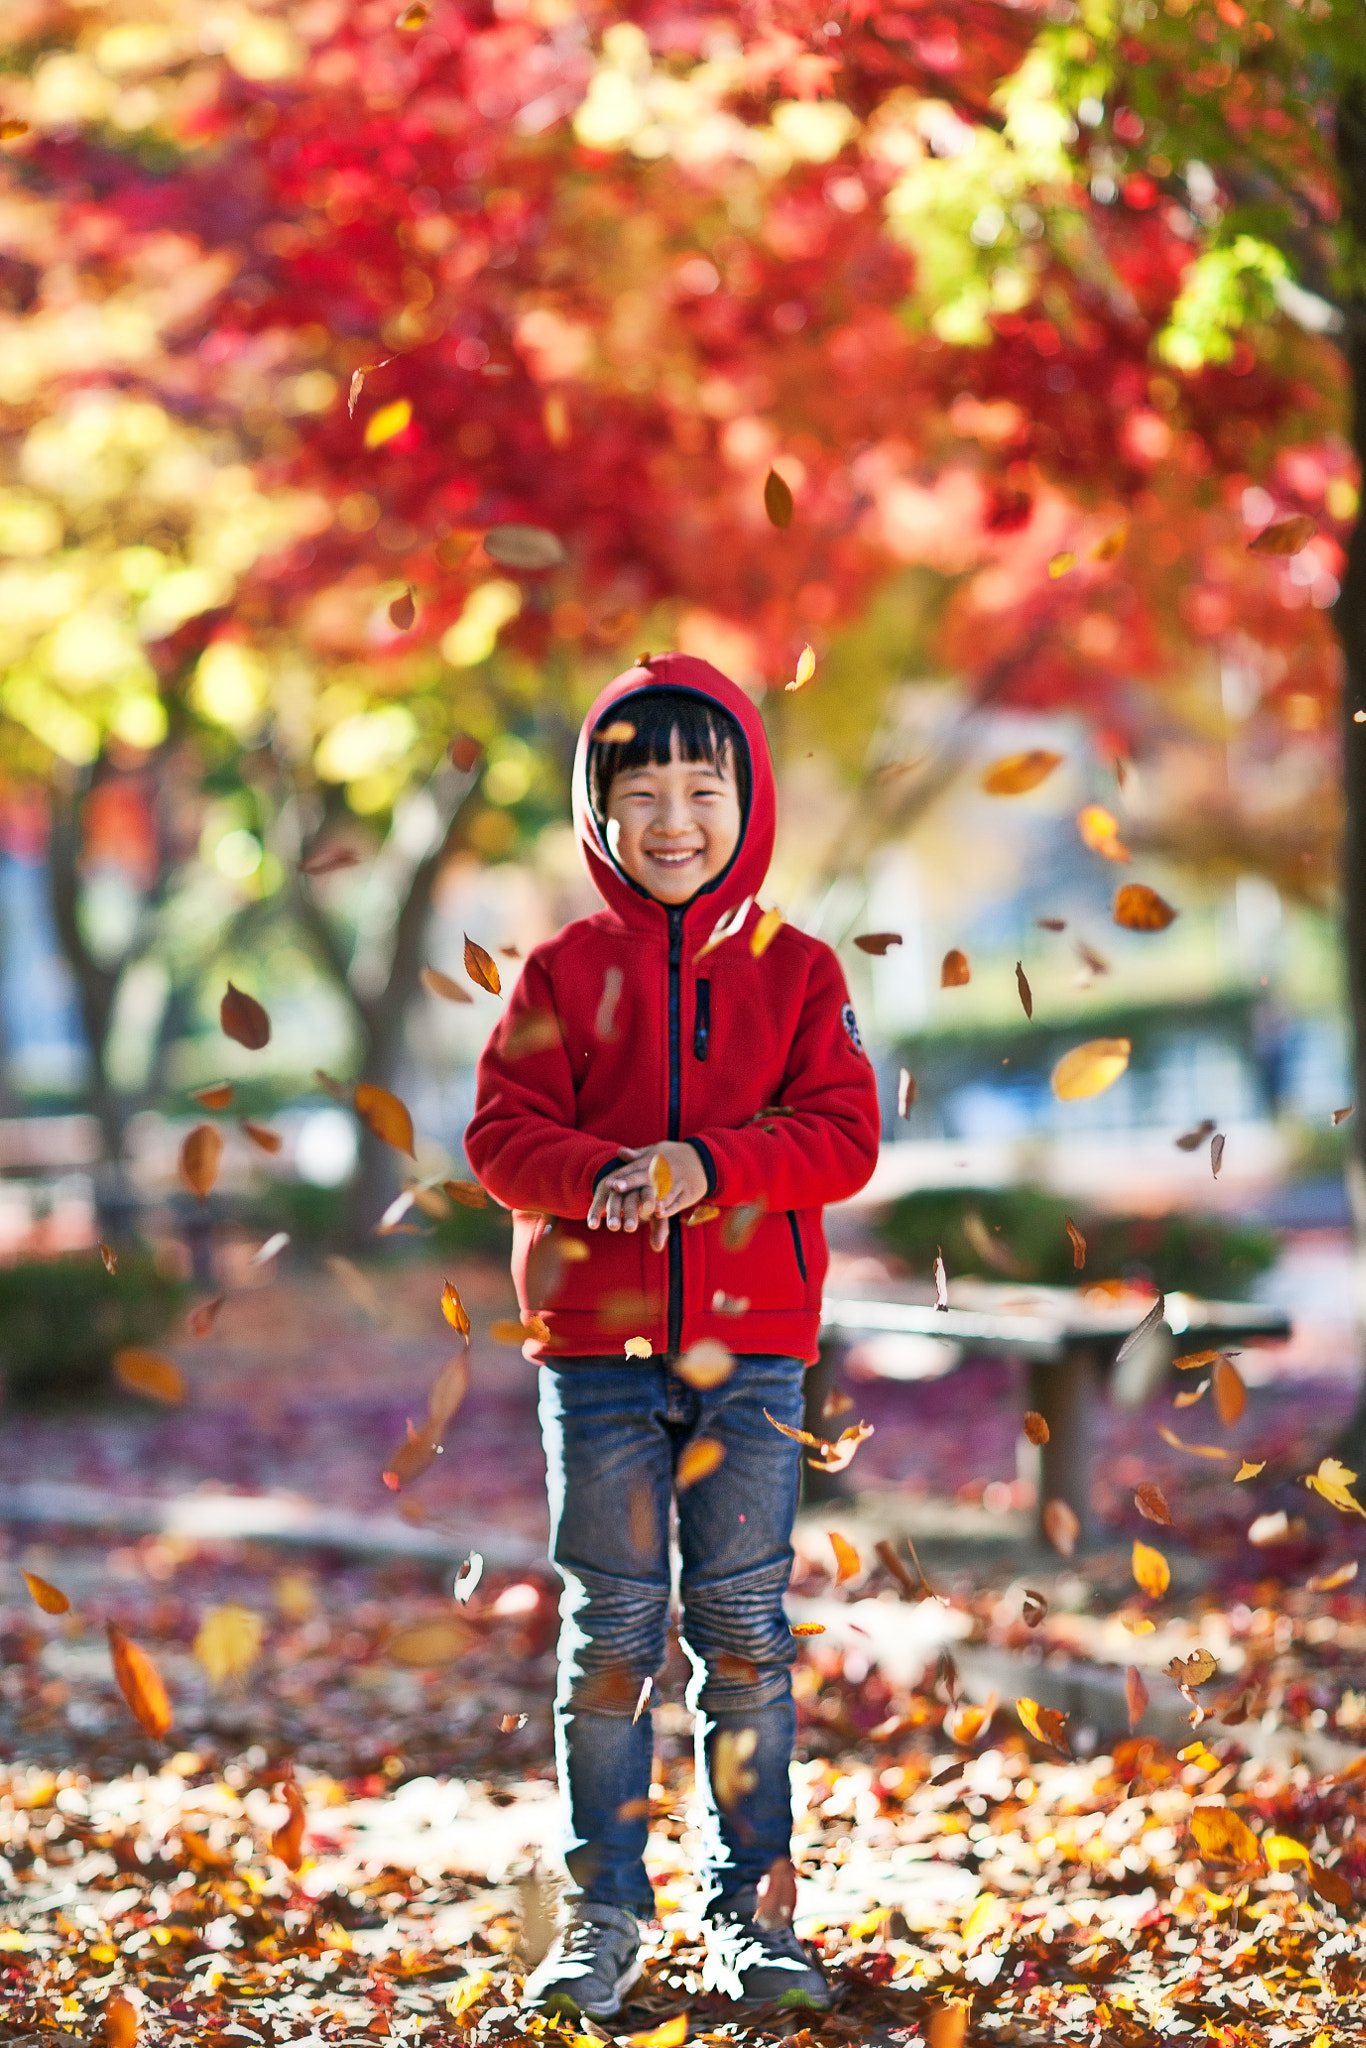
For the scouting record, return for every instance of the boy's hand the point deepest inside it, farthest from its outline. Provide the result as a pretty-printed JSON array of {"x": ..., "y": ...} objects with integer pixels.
[{"x": 626, "y": 1198}]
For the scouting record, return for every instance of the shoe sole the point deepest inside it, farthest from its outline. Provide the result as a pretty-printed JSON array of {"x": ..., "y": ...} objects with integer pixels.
[{"x": 556, "y": 2002}]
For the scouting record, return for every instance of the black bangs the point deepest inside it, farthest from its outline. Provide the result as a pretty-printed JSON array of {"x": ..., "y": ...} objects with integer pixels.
[{"x": 705, "y": 731}]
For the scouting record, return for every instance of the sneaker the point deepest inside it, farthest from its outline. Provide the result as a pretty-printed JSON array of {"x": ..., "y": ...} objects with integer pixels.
[
  {"x": 771, "y": 1964},
  {"x": 592, "y": 1961}
]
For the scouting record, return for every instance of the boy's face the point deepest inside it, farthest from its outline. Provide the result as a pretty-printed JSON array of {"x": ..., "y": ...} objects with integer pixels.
[{"x": 673, "y": 825}]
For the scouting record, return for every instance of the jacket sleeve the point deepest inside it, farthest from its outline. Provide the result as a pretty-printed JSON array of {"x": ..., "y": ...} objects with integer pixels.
[
  {"x": 825, "y": 1149},
  {"x": 521, "y": 1140}
]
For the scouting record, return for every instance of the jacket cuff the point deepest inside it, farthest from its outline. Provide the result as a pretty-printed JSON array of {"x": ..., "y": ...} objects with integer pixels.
[
  {"x": 607, "y": 1167},
  {"x": 708, "y": 1163}
]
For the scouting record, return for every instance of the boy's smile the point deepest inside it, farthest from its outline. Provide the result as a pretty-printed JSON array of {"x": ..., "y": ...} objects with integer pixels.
[{"x": 672, "y": 826}]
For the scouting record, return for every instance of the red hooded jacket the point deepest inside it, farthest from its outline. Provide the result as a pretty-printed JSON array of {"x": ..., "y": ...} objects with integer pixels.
[{"x": 617, "y": 1034}]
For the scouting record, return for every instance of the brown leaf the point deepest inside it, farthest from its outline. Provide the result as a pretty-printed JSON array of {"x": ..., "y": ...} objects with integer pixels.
[
  {"x": 1078, "y": 1244},
  {"x": 1190, "y": 1141},
  {"x": 778, "y": 500},
  {"x": 453, "y": 1309},
  {"x": 1340, "y": 1116},
  {"x": 1090, "y": 959},
  {"x": 1284, "y": 536},
  {"x": 140, "y": 1683},
  {"x": 1051, "y": 924},
  {"x": 201, "y": 1154},
  {"x": 1230, "y": 1395},
  {"x": 1197, "y": 1669},
  {"x": 518, "y": 546},
  {"x": 1045, "y": 1724},
  {"x": 262, "y": 1135},
  {"x": 739, "y": 1225},
  {"x": 109, "y": 1258},
  {"x": 1014, "y": 774},
  {"x": 403, "y": 612},
  {"x": 877, "y": 943},
  {"x": 1331, "y": 1885},
  {"x": 244, "y": 1019},
  {"x": 414, "y": 1454},
  {"x": 1222, "y": 1836},
  {"x": 954, "y": 970},
  {"x": 287, "y": 1842},
  {"x": 1090, "y": 1069},
  {"x": 438, "y": 984},
  {"x": 119, "y": 2026},
  {"x": 911, "y": 1589},
  {"x": 481, "y": 967},
  {"x": 217, "y": 1097},
  {"x": 905, "y": 1093},
  {"x": 1216, "y": 1153},
  {"x": 698, "y": 1460},
  {"x": 1151, "y": 1570},
  {"x": 1142, "y": 1329},
  {"x": 731, "y": 1778},
  {"x": 147, "y": 1372},
  {"x": 1140, "y": 909},
  {"x": 848, "y": 1563},
  {"x": 1026, "y": 993},
  {"x": 1036, "y": 1427},
  {"x": 836, "y": 1402},
  {"x": 385, "y": 1115},
  {"x": 204, "y": 1315},
  {"x": 1135, "y": 1696},
  {"x": 1151, "y": 1503},
  {"x": 1169, "y": 1436},
  {"x": 329, "y": 860},
  {"x": 50, "y": 1598},
  {"x": 1061, "y": 1527},
  {"x": 1034, "y": 1608}
]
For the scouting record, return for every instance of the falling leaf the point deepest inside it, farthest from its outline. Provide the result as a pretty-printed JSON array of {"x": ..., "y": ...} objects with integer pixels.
[
  {"x": 1151, "y": 1503},
  {"x": 529, "y": 548},
  {"x": 271, "y": 1249},
  {"x": 1332, "y": 1481},
  {"x": 673, "y": 2033},
  {"x": 329, "y": 860},
  {"x": 1035, "y": 1427},
  {"x": 1197, "y": 1669},
  {"x": 837, "y": 1457},
  {"x": 1151, "y": 1570},
  {"x": 765, "y": 932},
  {"x": 836, "y": 1402},
  {"x": 1060, "y": 564},
  {"x": 990, "y": 1245},
  {"x": 1110, "y": 544},
  {"x": 806, "y": 668},
  {"x": 1078, "y": 1243},
  {"x": 1191, "y": 1361},
  {"x": 1061, "y": 1526},
  {"x": 147, "y": 1372},
  {"x": 1140, "y": 909},
  {"x": 415, "y": 16},
  {"x": 705, "y": 1365},
  {"x": 109, "y": 1258},
  {"x": 660, "y": 1176},
  {"x": 726, "y": 926},
  {"x": 427, "y": 1645},
  {"x": 697, "y": 1461},
  {"x": 1099, "y": 831},
  {"x": 403, "y": 612},
  {"x": 1169, "y": 1436},
  {"x": 1045, "y": 1724},
  {"x": 1034, "y": 1608},
  {"x": 1328, "y": 1583},
  {"x": 1216, "y": 1153},
  {"x": 646, "y": 1688},
  {"x": 1142, "y": 1329},
  {"x": 848, "y": 1563},
  {"x": 396, "y": 1211},
  {"x": 11, "y": 128},
  {"x": 204, "y": 1315},
  {"x": 941, "y": 1281},
  {"x": 229, "y": 1642},
  {"x": 778, "y": 500},
  {"x": 1135, "y": 1696},
  {"x": 338, "y": 1090},
  {"x": 507, "y": 1330},
  {"x": 639, "y": 1347},
  {"x": 740, "y": 1225},
  {"x": 705, "y": 1212},
  {"x": 261, "y": 1135},
  {"x": 1026, "y": 993},
  {"x": 453, "y": 1309},
  {"x": 954, "y": 970},
  {"x": 287, "y": 1842},
  {"x": 877, "y": 943},
  {"x": 731, "y": 1778},
  {"x": 1090, "y": 960},
  {"x": 1051, "y": 924},
  {"x": 1014, "y": 774},
  {"x": 1230, "y": 1395},
  {"x": 385, "y": 1115},
  {"x": 481, "y": 967},
  {"x": 964, "y": 1723},
  {"x": 244, "y": 1019},
  {"x": 201, "y": 1154},
  {"x": 217, "y": 1097},
  {"x": 886, "y": 1553},
  {"x": 1332, "y": 1886},
  {"x": 50, "y": 1598},
  {"x": 387, "y": 422},
  {"x": 1247, "y": 1470},
  {"x": 1284, "y": 536},
  {"x": 616, "y": 734},
  {"x": 1090, "y": 1069},
  {"x": 438, "y": 984},
  {"x": 724, "y": 1304},
  {"x": 508, "y": 1724},
  {"x": 807, "y": 1628},
  {"x": 1222, "y": 1837},
  {"x": 140, "y": 1683},
  {"x": 905, "y": 1093}
]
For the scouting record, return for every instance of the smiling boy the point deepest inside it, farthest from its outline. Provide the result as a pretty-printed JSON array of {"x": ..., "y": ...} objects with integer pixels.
[{"x": 666, "y": 1117}]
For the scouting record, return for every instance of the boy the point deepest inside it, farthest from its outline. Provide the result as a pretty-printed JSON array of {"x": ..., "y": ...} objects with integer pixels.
[{"x": 621, "y": 1116}]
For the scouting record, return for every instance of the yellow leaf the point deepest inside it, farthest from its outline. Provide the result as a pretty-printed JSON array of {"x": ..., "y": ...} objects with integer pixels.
[
  {"x": 1090, "y": 1069},
  {"x": 708, "y": 1364},
  {"x": 388, "y": 421},
  {"x": 468, "y": 1992},
  {"x": 50, "y": 1598},
  {"x": 229, "y": 1642},
  {"x": 1151, "y": 1570},
  {"x": 699, "y": 1459},
  {"x": 848, "y": 1563},
  {"x": 639, "y": 1347},
  {"x": 660, "y": 1176},
  {"x": 1099, "y": 831},
  {"x": 1222, "y": 1837},
  {"x": 1110, "y": 544},
  {"x": 980, "y": 1918},
  {"x": 1014, "y": 774},
  {"x": 147, "y": 1372},
  {"x": 385, "y": 1115},
  {"x": 454, "y": 1310},
  {"x": 731, "y": 1777},
  {"x": 1045, "y": 1724},
  {"x": 1060, "y": 564},
  {"x": 1248, "y": 1470},
  {"x": 1331, "y": 1481},
  {"x": 764, "y": 933},
  {"x": 1283, "y": 1851},
  {"x": 1177, "y": 1443},
  {"x": 509, "y": 1331},
  {"x": 669, "y": 2033},
  {"x": 806, "y": 1628},
  {"x": 806, "y": 668}
]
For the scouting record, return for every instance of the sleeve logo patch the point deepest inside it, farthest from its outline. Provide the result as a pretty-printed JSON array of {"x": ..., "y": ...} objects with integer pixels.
[{"x": 850, "y": 1023}]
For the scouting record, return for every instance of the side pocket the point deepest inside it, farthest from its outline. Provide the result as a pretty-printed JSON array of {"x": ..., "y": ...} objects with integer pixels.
[
  {"x": 795, "y": 1228},
  {"x": 701, "y": 1019}
]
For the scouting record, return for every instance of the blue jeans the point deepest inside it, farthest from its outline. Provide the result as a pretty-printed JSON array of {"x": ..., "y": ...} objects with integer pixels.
[{"x": 614, "y": 1429}]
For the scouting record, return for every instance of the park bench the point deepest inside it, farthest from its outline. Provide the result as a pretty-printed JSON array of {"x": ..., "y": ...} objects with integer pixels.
[{"x": 1068, "y": 1339}]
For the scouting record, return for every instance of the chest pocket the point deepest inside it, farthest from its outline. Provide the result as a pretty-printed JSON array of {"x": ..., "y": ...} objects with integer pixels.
[{"x": 701, "y": 1020}]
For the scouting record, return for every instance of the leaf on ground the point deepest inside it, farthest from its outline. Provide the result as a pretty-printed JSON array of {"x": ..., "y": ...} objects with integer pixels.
[
  {"x": 201, "y": 1154},
  {"x": 383, "y": 1113},
  {"x": 905, "y": 1093},
  {"x": 877, "y": 943},
  {"x": 120, "y": 2023},
  {"x": 705, "y": 1365},
  {"x": 1151, "y": 1570},
  {"x": 453, "y": 1309},
  {"x": 1332, "y": 1886},
  {"x": 1332, "y": 1482},
  {"x": 229, "y": 1642},
  {"x": 1135, "y": 1696},
  {"x": 1045, "y": 1724},
  {"x": 438, "y": 984},
  {"x": 1036, "y": 1427},
  {"x": 946, "y": 2023},
  {"x": 778, "y": 502},
  {"x": 1222, "y": 1836},
  {"x": 1014, "y": 774},
  {"x": 1090, "y": 1069},
  {"x": 481, "y": 967},
  {"x": 244, "y": 1019},
  {"x": 848, "y": 1563},
  {"x": 287, "y": 1842},
  {"x": 1078, "y": 1243},
  {"x": 140, "y": 1683},
  {"x": 1140, "y": 909},
  {"x": 147, "y": 1372},
  {"x": 50, "y": 1598},
  {"x": 1061, "y": 1526},
  {"x": 698, "y": 1460},
  {"x": 468, "y": 1992},
  {"x": 954, "y": 970},
  {"x": 1151, "y": 1503},
  {"x": 674, "y": 2032}
]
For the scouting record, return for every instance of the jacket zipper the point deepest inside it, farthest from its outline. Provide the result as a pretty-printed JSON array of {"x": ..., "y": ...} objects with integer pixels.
[
  {"x": 701, "y": 1022},
  {"x": 675, "y": 1253},
  {"x": 797, "y": 1242}
]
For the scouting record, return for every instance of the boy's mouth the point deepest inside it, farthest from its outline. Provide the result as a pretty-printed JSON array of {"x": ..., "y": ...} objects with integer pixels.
[{"x": 672, "y": 858}]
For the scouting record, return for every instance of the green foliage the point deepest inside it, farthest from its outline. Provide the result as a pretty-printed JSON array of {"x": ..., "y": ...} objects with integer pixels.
[
  {"x": 1199, "y": 1254},
  {"x": 61, "y": 1320},
  {"x": 1222, "y": 290}
]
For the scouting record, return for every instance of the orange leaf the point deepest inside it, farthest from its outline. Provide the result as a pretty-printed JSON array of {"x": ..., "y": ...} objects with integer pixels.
[
  {"x": 1045, "y": 1724},
  {"x": 1151, "y": 1503},
  {"x": 438, "y": 984},
  {"x": 120, "y": 2023},
  {"x": 1036, "y": 1427},
  {"x": 1061, "y": 1527},
  {"x": 1151, "y": 1570},
  {"x": 1284, "y": 536},
  {"x": 1230, "y": 1395},
  {"x": 385, "y": 1115},
  {"x": 1223, "y": 1837},
  {"x": 262, "y": 1135},
  {"x": 699, "y": 1459},
  {"x": 1329, "y": 1582},
  {"x": 946, "y": 2024},
  {"x": 109, "y": 1258},
  {"x": 388, "y": 422},
  {"x": 453, "y": 1309},
  {"x": 481, "y": 967},
  {"x": 1169, "y": 1436},
  {"x": 954, "y": 969},
  {"x": 200, "y": 1157},
  {"x": 1140, "y": 909},
  {"x": 140, "y": 1682},
  {"x": 1090, "y": 1069},
  {"x": 287, "y": 1842},
  {"x": 806, "y": 1628},
  {"x": 1078, "y": 1244},
  {"x": 1135, "y": 1696},
  {"x": 848, "y": 1563},
  {"x": 660, "y": 1176},
  {"x": 668, "y": 2034},
  {"x": 1110, "y": 544},
  {"x": 877, "y": 943},
  {"x": 50, "y": 1598},
  {"x": 217, "y": 1097},
  {"x": 204, "y": 1315},
  {"x": 778, "y": 500},
  {"x": 147, "y": 1372},
  {"x": 243, "y": 1018},
  {"x": 706, "y": 1365},
  {"x": 765, "y": 932},
  {"x": 1014, "y": 774},
  {"x": 508, "y": 1331}
]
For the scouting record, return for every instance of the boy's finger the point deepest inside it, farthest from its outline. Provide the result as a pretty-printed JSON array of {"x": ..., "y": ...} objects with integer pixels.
[{"x": 659, "y": 1234}]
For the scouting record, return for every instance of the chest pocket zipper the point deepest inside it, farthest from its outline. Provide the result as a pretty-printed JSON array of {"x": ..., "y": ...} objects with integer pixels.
[
  {"x": 701, "y": 1021},
  {"x": 797, "y": 1242}
]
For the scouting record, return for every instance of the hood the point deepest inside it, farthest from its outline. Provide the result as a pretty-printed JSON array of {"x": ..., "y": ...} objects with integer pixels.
[{"x": 746, "y": 872}]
